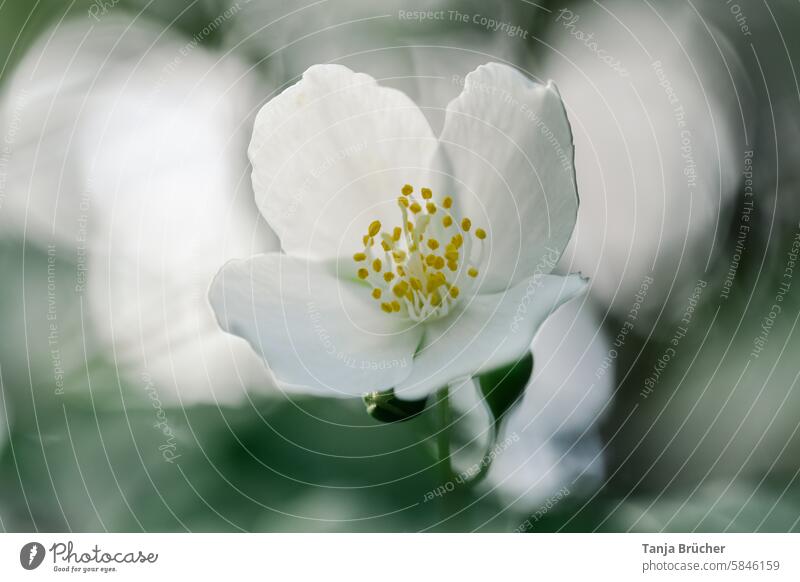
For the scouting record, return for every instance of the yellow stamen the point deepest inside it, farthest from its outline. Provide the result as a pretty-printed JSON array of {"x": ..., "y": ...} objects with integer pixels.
[{"x": 421, "y": 283}]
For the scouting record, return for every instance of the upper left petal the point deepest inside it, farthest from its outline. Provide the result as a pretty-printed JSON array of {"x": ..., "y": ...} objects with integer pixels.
[
  {"x": 316, "y": 332},
  {"x": 331, "y": 154}
]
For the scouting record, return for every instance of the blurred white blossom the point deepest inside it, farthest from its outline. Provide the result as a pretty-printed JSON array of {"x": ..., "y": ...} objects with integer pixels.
[
  {"x": 130, "y": 156},
  {"x": 654, "y": 101},
  {"x": 552, "y": 437}
]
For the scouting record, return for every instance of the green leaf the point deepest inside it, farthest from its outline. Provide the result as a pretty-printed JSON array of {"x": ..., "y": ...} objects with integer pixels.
[
  {"x": 386, "y": 407},
  {"x": 502, "y": 388}
]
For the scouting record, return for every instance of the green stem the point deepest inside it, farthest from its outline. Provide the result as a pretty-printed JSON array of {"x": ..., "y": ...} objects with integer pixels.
[{"x": 443, "y": 435}]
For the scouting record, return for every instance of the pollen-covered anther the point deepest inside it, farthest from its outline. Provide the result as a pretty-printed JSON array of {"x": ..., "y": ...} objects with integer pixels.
[{"x": 425, "y": 263}]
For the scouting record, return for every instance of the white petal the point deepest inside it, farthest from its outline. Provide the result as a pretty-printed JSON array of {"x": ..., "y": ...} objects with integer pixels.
[
  {"x": 510, "y": 146},
  {"x": 331, "y": 154},
  {"x": 316, "y": 332},
  {"x": 490, "y": 331},
  {"x": 553, "y": 434}
]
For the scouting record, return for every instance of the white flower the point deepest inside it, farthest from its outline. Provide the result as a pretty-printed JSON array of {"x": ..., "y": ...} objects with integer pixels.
[{"x": 410, "y": 261}]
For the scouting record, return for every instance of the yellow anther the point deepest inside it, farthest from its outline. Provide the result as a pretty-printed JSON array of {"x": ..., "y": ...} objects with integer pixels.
[
  {"x": 415, "y": 207},
  {"x": 359, "y": 257},
  {"x": 401, "y": 271},
  {"x": 376, "y": 293},
  {"x": 410, "y": 226},
  {"x": 365, "y": 239},
  {"x": 457, "y": 241},
  {"x": 377, "y": 265},
  {"x": 472, "y": 272},
  {"x": 433, "y": 244},
  {"x": 407, "y": 190},
  {"x": 436, "y": 299},
  {"x": 439, "y": 263},
  {"x": 430, "y": 260},
  {"x": 363, "y": 273},
  {"x": 426, "y": 193},
  {"x": 402, "y": 201},
  {"x": 374, "y": 227},
  {"x": 415, "y": 284},
  {"x": 452, "y": 265},
  {"x": 480, "y": 233},
  {"x": 388, "y": 276},
  {"x": 397, "y": 233},
  {"x": 447, "y": 221},
  {"x": 466, "y": 224},
  {"x": 454, "y": 291},
  {"x": 451, "y": 255},
  {"x": 431, "y": 208},
  {"x": 386, "y": 246},
  {"x": 435, "y": 281},
  {"x": 399, "y": 256},
  {"x": 447, "y": 202},
  {"x": 396, "y": 305},
  {"x": 400, "y": 289},
  {"x": 387, "y": 307}
]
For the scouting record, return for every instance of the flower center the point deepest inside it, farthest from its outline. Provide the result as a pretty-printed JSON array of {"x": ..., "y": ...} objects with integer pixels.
[{"x": 419, "y": 268}]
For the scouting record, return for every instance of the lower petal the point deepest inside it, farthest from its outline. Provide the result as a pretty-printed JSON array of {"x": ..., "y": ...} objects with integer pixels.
[{"x": 488, "y": 332}]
